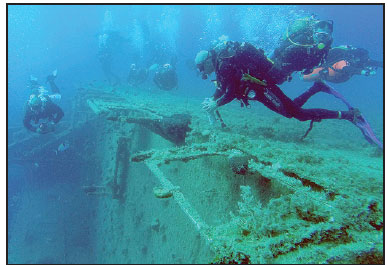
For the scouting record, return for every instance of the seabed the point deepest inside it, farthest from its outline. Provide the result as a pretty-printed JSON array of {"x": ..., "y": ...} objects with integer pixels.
[{"x": 252, "y": 192}]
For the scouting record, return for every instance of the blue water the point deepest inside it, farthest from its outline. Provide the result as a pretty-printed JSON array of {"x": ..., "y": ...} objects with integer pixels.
[{"x": 42, "y": 38}]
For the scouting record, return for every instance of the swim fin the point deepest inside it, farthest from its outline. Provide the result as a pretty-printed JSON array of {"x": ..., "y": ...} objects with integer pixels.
[
  {"x": 52, "y": 76},
  {"x": 367, "y": 131},
  {"x": 359, "y": 121}
]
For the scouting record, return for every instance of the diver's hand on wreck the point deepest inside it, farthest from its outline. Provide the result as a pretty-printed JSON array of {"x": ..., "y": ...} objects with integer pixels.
[{"x": 209, "y": 104}]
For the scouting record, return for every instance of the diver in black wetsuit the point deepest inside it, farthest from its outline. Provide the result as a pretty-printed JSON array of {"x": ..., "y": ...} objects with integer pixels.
[
  {"x": 305, "y": 45},
  {"x": 137, "y": 76},
  {"x": 42, "y": 108},
  {"x": 165, "y": 77},
  {"x": 245, "y": 73},
  {"x": 342, "y": 63}
]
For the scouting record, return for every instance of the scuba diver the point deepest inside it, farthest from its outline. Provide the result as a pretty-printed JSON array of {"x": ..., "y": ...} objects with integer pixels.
[
  {"x": 165, "y": 76},
  {"x": 37, "y": 89},
  {"x": 305, "y": 45},
  {"x": 137, "y": 76},
  {"x": 342, "y": 63},
  {"x": 40, "y": 107},
  {"x": 360, "y": 122},
  {"x": 245, "y": 73}
]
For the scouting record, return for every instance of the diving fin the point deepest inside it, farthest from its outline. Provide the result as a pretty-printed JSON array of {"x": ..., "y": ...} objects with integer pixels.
[
  {"x": 367, "y": 131},
  {"x": 359, "y": 120},
  {"x": 52, "y": 76}
]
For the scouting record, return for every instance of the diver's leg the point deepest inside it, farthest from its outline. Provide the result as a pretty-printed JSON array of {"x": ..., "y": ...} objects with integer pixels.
[
  {"x": 321, "y": 114},
  {"x": 54, "y": 87},
  {"x": 276, "y": 100},
  {"x": 352, "y": 115},
  {"x": 320, "y": 87},
  {"x": 50, "y": 80},
  {"x": 283, "y": 105},
  {"x": 317, "y": 87},
  {"x": 308, "y": 114}
]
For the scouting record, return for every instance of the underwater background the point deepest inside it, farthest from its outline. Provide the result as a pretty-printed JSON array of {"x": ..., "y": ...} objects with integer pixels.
[{"x": 52, "y": 220}]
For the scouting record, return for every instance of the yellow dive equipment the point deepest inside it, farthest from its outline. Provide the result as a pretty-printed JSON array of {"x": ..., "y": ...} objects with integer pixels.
[{"x": 248, "y": 77}]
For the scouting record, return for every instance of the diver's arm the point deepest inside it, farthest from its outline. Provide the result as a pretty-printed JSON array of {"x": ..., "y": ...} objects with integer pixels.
[
  {"x": 218, "y": 93},
  {"x": 225, "y": 99},
  {"x": 27, "y": 121},
  {"x": 223, "y": 96},
  {"x": 56, "y": 113},
  {"x": 226, "y": 79},
  {"x": 59, "y": 115}
]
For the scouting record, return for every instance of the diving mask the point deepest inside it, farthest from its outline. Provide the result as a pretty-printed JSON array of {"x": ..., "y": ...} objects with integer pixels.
[
  {"x": 206, "y": 68},
  {"x": 321, "y": 36},
  {"x": 323, "y": 33}
]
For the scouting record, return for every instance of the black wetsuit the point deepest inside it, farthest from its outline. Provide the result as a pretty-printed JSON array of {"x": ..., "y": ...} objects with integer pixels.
[
  {"x": 237, "y": 59},
  {"x": 49, "y": 111},
  {"x": 166, "y": 78}
]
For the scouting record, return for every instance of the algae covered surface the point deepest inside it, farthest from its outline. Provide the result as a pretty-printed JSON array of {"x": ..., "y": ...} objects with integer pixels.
[{"x": 252, "y": 192}]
